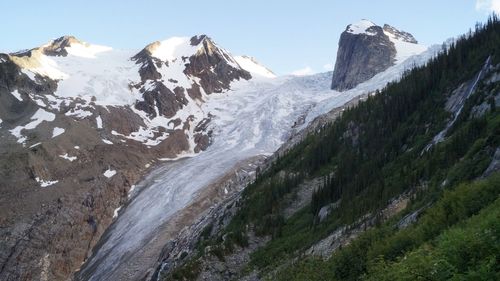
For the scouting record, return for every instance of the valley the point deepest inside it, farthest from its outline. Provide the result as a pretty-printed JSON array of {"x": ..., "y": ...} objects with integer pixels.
[{"x": 183, "y": 161}]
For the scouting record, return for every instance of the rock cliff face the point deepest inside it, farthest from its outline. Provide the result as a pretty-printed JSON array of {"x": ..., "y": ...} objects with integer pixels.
[
  {"x": 79, "y": 125},
  {"x": 366, "y": 49}
]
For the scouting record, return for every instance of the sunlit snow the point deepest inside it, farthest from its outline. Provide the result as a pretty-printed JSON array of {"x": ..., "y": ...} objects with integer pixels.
[
  {"x": 86, "y": 50},
  {"x": 67, "y": 157},
  {"x": 57, "y": 131},
  {"x": 37, "y": 118},
  {"x": 109, "y": 173},
  {"x": 361, "y": 27},
  {"x": 17, "y": 95},
  {"x": 45, "y": 183},
  {"x": 405, "y": 49},
  {"x": 98, "y": 120},
  {"x": 172, "y": 48},
  {"x": 251, "y": 65},
  {"x": 254, "y": 118}
]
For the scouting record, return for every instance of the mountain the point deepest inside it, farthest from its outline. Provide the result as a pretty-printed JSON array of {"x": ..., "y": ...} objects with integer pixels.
[
  {"x": 89, "y": 134},
  {"x": 401, "y": 184},
  {"x": 183, "y": 198},
  {"x": 366, "y": 49},
  {"x": 180, "y": 161},
  {"x": 251, "y": 65},
  {"x": 80, "y": 124}
]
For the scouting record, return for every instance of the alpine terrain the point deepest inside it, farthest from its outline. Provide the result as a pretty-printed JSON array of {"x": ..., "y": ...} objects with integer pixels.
[{"x": 182, "y": 161}]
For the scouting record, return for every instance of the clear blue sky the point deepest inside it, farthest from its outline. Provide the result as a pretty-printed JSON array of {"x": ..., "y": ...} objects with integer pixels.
[{"x": 284, "y": 35}]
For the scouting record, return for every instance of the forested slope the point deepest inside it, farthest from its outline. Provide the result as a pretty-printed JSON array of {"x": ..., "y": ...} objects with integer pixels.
[{"x": 432, "y": 137}]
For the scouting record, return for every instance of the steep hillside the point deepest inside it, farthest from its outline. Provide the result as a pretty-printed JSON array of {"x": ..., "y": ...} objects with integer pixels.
[
  {"x": 80, "y": 124},
  {"x": 394, "y": 179},
  {"x": 183, "y": 197}
]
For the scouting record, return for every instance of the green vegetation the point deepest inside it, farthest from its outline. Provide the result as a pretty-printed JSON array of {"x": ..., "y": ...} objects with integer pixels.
[
  {"x": 370, "y": 155},
  {"x": 428, "y": 250}
]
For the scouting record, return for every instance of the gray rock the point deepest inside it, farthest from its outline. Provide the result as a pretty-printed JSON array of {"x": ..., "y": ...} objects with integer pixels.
[
  {"x": 323, "y": 213},
  {"x": 400, "y": 35},
  {"x": 494, "y": 165},
  {"x": 363, "y": 54}
]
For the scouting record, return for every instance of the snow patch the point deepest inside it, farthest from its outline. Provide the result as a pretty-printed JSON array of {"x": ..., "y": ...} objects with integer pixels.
[
  {"x": 109, "y": 173},
  {"x": 98, "y": 120},
  {"x": 37, "y": 118},
  {"x": 78, "y": 113},
  {"x": 67, "y": 157},
  {"x": 107, "y": 141},
  {"x": 57, "y": 131},
  {"x": 404, "y": 49},
  {"x": 44, "y": 183},
  {"x": 131, "y": 191},
  {"x": 38, "y": 101},
  {"x": 35, "y": 145},
  {"x": 361, "y": 28},
  {"x": 17, "y": 95},
  {"x": 30, "y": 74},
  {"x": 115, "y": 212}
]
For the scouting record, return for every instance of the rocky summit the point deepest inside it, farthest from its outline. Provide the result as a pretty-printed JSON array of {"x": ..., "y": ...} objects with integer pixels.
[
  {"x": 179, "y": 161},
  {"x": 80, "y": 124},
  {"x": 366, "y": 49}
]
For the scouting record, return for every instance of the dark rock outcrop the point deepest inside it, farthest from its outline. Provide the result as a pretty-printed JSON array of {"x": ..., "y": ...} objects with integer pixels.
[
  {"x": 365, "y": 49},
  {"x": 361, "y": 56},
  {"x": 162, "y": 99},
  {"x": 214, "y": 66},
  {"x": 58, "y": 46}
]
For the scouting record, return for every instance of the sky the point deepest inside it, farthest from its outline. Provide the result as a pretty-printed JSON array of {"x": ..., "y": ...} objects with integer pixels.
[{"x": 288, "y": 36}]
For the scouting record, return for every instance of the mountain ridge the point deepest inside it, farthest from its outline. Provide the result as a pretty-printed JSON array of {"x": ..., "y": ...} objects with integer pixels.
[
  {"x": 79, "y": 126},
  {"x": 89, "y": 156},
  {"x": 368, "y": 200}
]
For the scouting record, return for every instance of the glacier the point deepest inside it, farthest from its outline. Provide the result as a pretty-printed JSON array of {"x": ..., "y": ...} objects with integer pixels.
[{"x": 254, "y": 118}]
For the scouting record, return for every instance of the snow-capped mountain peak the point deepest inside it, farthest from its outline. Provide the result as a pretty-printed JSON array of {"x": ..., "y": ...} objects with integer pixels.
[
  {"x": 251, "y": 65},
  {"x": 183, "y": 48},
  {"x": 42, "y": 60},
  {"x": 366, "y": 49},
  {"x": 70, "y": 45},
  {"x": 158, "y": 91},
  {"x": 361, "y": 27},
  {"x": 172, "y": 48}
]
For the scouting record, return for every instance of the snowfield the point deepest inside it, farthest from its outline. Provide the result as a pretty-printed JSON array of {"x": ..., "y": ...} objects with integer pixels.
[
  {"x": 254, "y": 118},
  {"x": 361, "y": 27},
  {"x": 251, "y": 65},
  {"x": 37, "y": 118}
]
